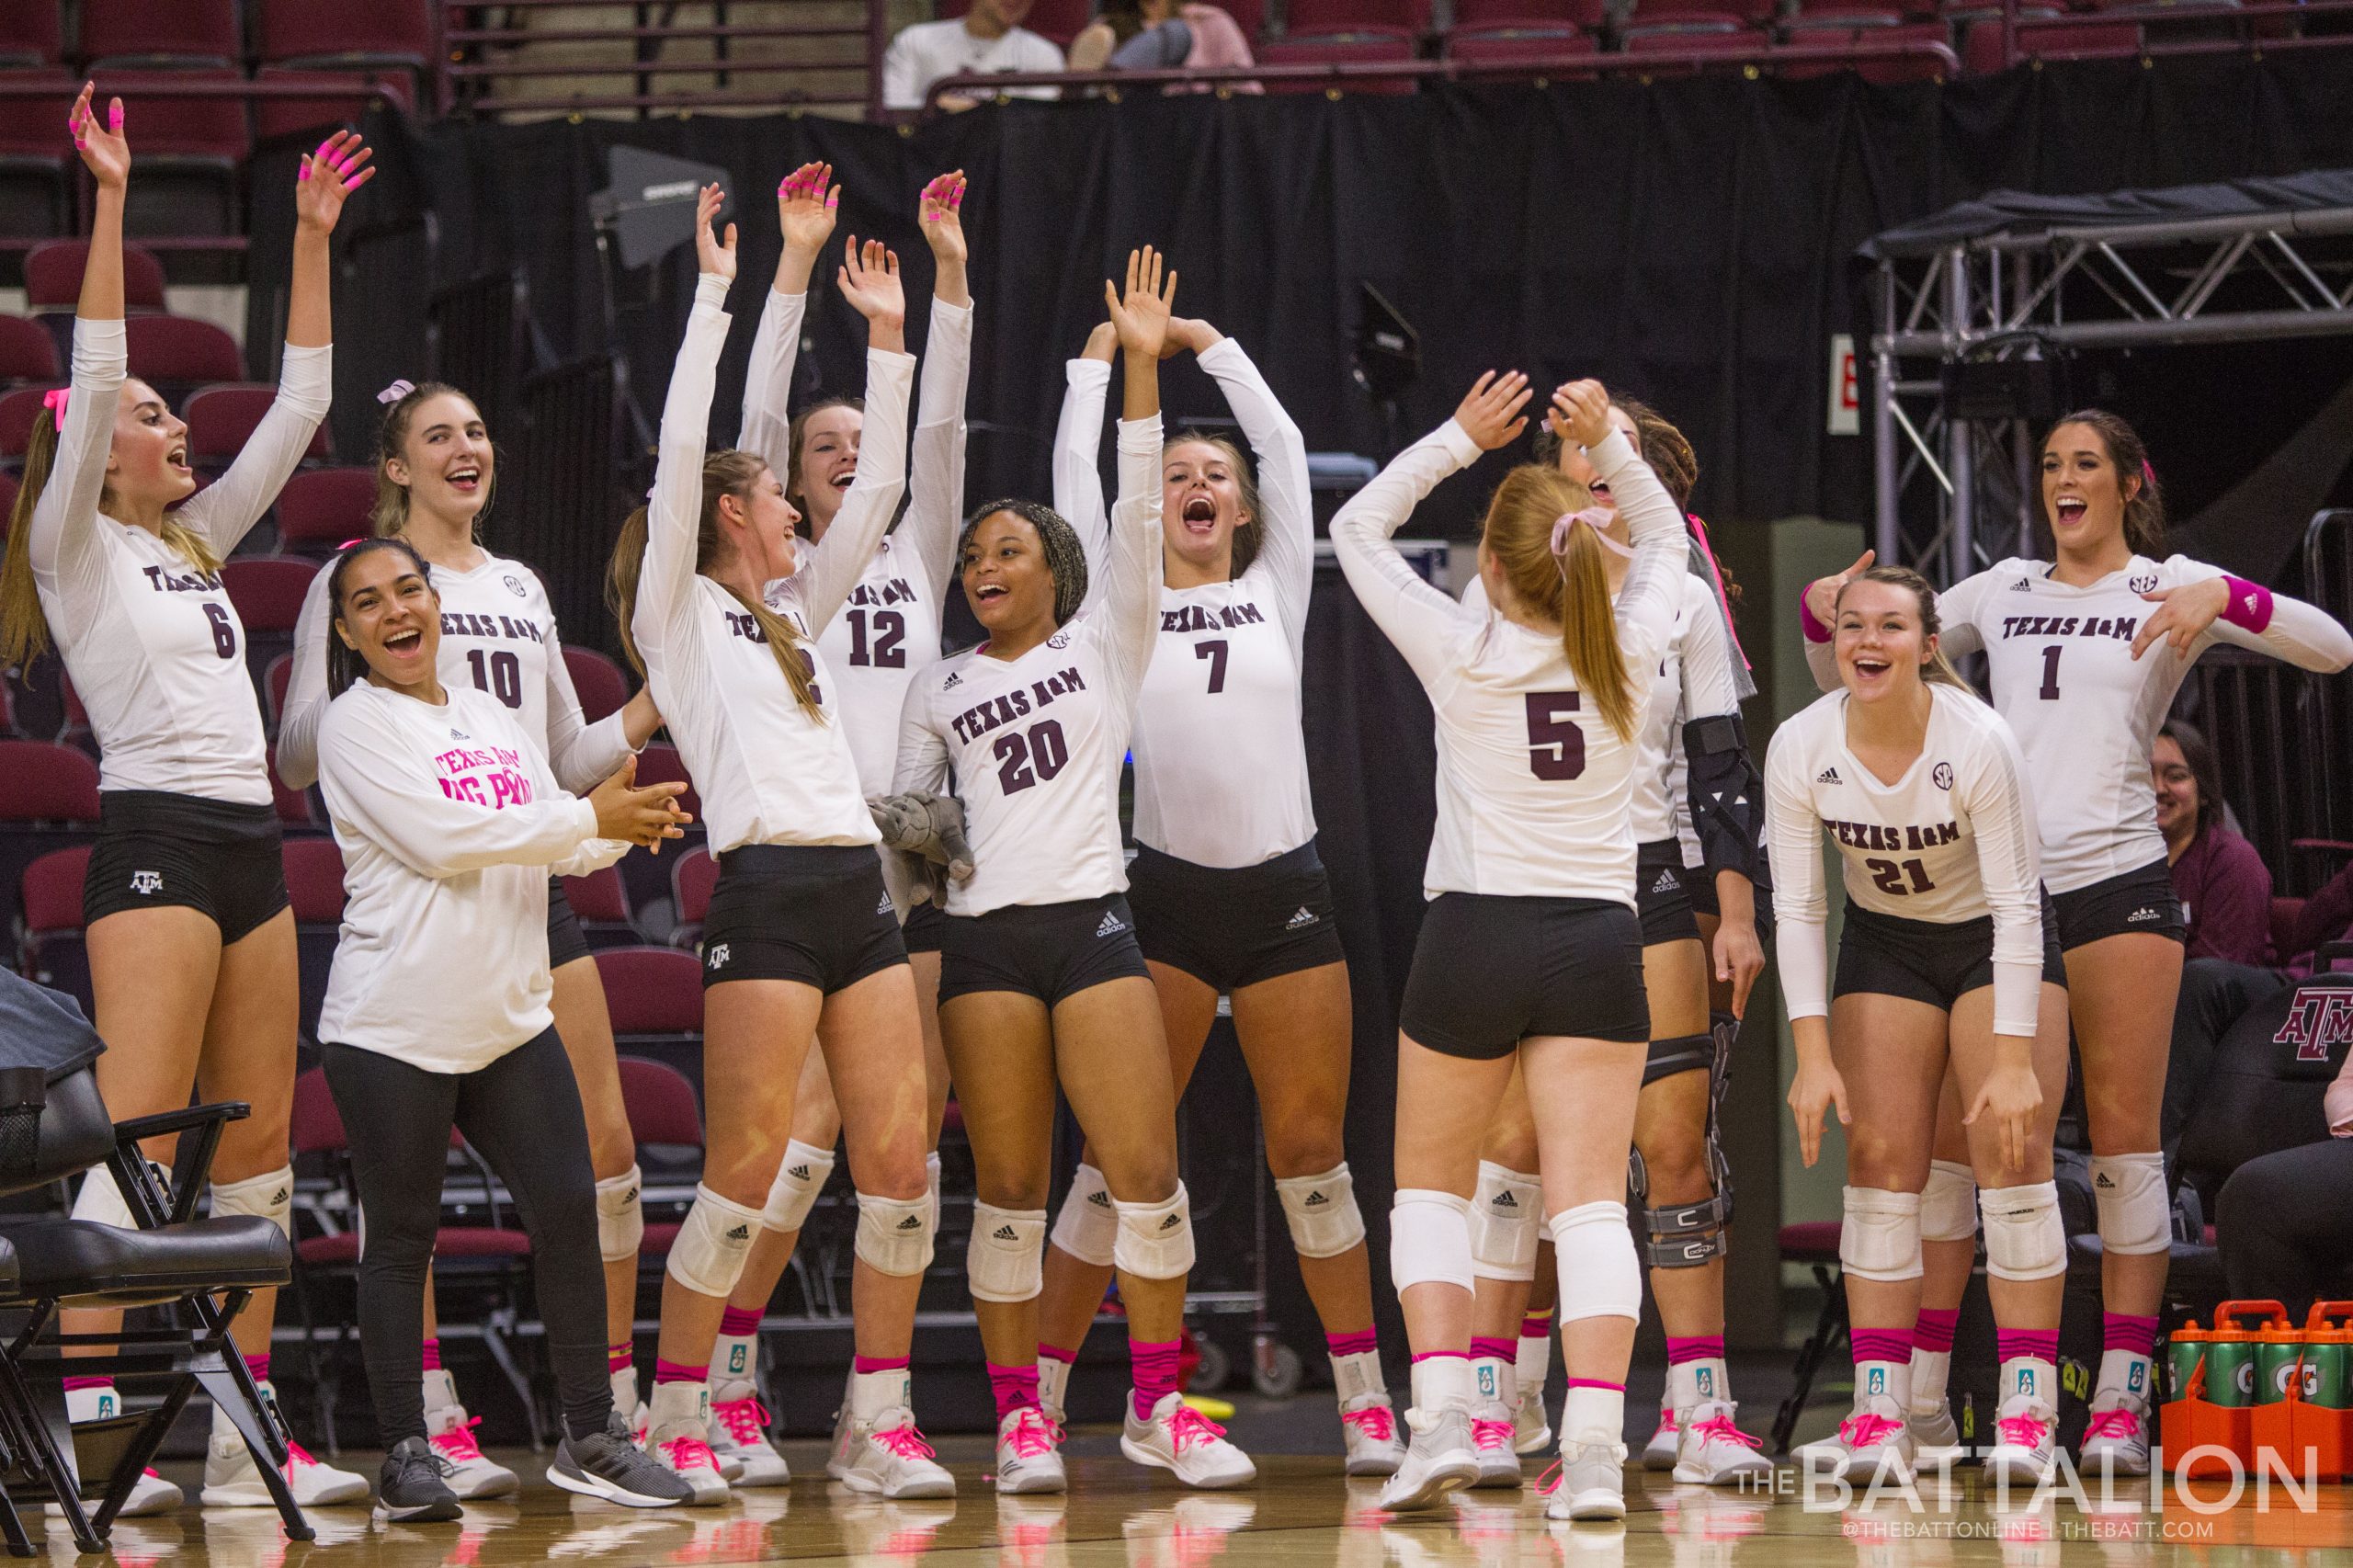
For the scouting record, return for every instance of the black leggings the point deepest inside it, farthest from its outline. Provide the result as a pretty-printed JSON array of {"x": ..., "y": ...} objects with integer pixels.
[
  {"x": 522, "y": 1113},
  {"x": 2282, "y": 1226}
]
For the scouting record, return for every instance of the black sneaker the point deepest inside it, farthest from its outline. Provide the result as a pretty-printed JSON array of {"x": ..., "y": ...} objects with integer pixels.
[
  {"x": 414, "y": 1488},
  {"x": 608, "y": 1464}
]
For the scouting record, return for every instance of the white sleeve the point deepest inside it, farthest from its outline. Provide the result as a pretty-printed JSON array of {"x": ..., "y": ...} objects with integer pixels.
[
  {"x": 767, "y": 430},
  {"x": 379, "y": 787},
  {"x": 1415, "y": 616},
  {"x": 2298, "y": 633},
  {"x": 1653, "y": 590},
  {"x": 1958, "y": 609},
  {"x": 1821, "y": 655},
  {"x": 225, "y": 511},
  {"x": 1993, "y": 794},
  {"x": 922, "y": 765},
  {"x": 306, "y": 688},
  {"x": 935, "y": 462},
  {"x": 1078, "y": 481},
  {"x": 1709, "y": 688},
  {"x": 1130, "y": 603},
  {"x": 902, "y": 72},
  {"x": 666, "y": 584},
  {"x": 1801, "y": 900},
  {"x": 1287, "y": 528},
  {"x": 826, "y": 576},
  {"x": 68, "y": 555},
  {"x": 581, "y": 755}
]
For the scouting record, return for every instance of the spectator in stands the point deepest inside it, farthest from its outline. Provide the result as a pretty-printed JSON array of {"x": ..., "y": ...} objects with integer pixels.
[
  {"x": 2224, "y": 887},
  {"x": 1159, "y": 35},
  {"x": 2280, "y": 1220},
  {"x": 988, "y": 37}
]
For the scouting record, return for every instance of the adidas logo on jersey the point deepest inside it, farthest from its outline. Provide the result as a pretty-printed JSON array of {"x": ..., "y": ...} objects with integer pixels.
[
  {"x": 1005, "y": 1234},
  {"x": 717, "y": 957},
  {"x": 1112, "y": 924},
  {"x": 1667, "y": 882},
  {"x": 912, "y": 1222},
  {"x": 952, "y": 682},
  {"x": 2141, "y": 916},
  {"x": 740, "y": 1233},
  {"x": 148, "y": 882},
  {"x": 1828, "y": 776},
  {"x": 1302, "y": 920},
  {"x": 2023, "y": 585}
]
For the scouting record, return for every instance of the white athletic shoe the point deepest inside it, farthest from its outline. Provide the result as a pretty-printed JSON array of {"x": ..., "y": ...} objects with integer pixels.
[
  {"x": 1714, "y": 1451},
  {"x": 1028, "y": 1453},
  {"x": 1369, "y": 1428},
  {"x": 684, "y": 1448},
  {"x": 2116, "y": 1437},
  {"x": 1491, "y": 1440},
  {"x": 1027, "y": 1529},
  {"x": 1180, "y": 1439},
  {"x": 874, "y": 1531},
  {"x": 2025, "y": 1444},
  {"x": 1189, "y": 1533},
  {"x": 1936, "y": 1435},
  {"x": 1666, "y": 1443},
  {"x": 1439, "y": 1459},
  {"x": 1871, "y": 1442},
  {"x": 888, "y": 1458},
  {"x": 472, "y": 1475},
  {"x": 150, "y": 1493},
  {"x": 1532, "y": 1428},
  {"x": 739, "y": 1438},
  {"x": 1589, "y": 1482},
  {"x": 231, "y": 1480}
]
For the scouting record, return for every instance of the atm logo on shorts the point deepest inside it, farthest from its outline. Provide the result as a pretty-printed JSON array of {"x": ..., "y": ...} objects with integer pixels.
[
  {"x": 2319, "y": 1021},
  {"x": 717, "y": 958},
  {"x": 147, "y": 883}
]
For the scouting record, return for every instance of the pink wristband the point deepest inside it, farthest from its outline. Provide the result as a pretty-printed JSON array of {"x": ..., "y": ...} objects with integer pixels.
[
  {"x": 2250, "y": 606},
  {"x": 1814, "y": 630}
]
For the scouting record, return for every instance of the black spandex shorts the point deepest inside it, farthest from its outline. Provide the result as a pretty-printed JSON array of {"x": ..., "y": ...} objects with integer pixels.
[
  {"x": 1662, "y": 893},
  {"x": 1490, "y": 971},
  {"x": 1231, "y": 929},
  {"x": 1046, "y": 950},
  {"x": 925, "y": 925},
  {"x": 2133, "y": 900},
  {"x": 565, "y": 944},
  {"x": 157, "y": 849},
  {"x": 1889, "y": 956},
  {"x": 816, "y": 914}
]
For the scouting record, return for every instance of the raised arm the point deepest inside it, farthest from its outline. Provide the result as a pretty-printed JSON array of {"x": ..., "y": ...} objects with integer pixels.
[
  {"x": 1132, "y": 576},
  {"x": 871, "y": 282},
  {"x": 2201, "y": 604},
  {"x": 804, "y": 209},
  {"x": 1287, "y": 532},
  {"x": 673, "y": 511},
  {"x": 935, "y": 463},
  {"x": 1078, "y": 438},
  {"x": 1652, "y": 591},
  {"x": 306, "y": 688}
]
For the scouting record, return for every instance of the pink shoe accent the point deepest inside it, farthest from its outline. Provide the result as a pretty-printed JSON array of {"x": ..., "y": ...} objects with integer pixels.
[
  {"x": 1491, "y": 1436},
  {"x": 1864, "y": 1429},
  {"x": 2121, "y": 1422},
  {"x": 2025, "y": 1431},
  {"x": 1667, "y": 1420},
  {"x": 456, "y": 1444},
  {"x": 746, "y": 1420},
  {"x": 1377, "y": 1422},
  {"x": 1720, "y": 1428},
  {"x": 1187, "y": 1426},
  {"x": 685, "y": 1453},
  {"x": 1032, "y": 1434},
  {"x": 296, "y": 1454},
  {"x": 1549, "y": 1481},
  {"x": 906, "y": 1442}
]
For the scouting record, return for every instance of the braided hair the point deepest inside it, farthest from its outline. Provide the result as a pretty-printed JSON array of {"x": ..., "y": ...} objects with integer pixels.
[{"x": 1065, "y": 558}]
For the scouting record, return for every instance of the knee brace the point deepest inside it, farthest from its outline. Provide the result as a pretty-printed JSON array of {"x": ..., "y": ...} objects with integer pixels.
[
  {"x": 1429, "y": 1239},
  {"x": 895, "y": 1233},
  {"x": 1879, "y": 1238},
  {"x": 1505, "y": 1218},
  {"x": 1006, "y": 1259},
  {"x": 708, "y": 1255},
  {"x": 794, "y": 1192},
  {"x": 2135, "y": 1215},
  {"x": 1594, "y": 1253},
  {"x": 1683, "y": 1053},
  {"x": 1322, "y": 1212},
  {"x": 1087, "y": 1227},
  {"x": 1948, "y": 1204},
  {"x": 2024, "y": 1238},
  {"x": 1155, "y": 1240},
  {"x": 101, "y": 1202},
  {"x": 1689, "y": 1234},
  {"x": 271, "y": 1196},
  {"x": 620, "y": 1217}
]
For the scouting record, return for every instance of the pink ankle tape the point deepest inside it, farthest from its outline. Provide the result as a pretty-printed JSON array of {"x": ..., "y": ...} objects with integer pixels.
[
  {"x": 1356, "y": 1342},
  {"x": 1422, "y": 1355},
  {"x": 618, "y": 1358},
  {"x": 433, "y": 1355},
  {"x": 673, "y": 1372},
  {"x": 737, "y": 1322},
  {"x": 72, "y": 1384},
  {"x": 1483, "y": 1347},
  {"x": 1596, "y": 1383},
  {"x": 1694, "y": 1347},
  {"x": 2125, "y": 1331},
  {"x": 1056, "y": 1353},
  {"x": 1015, "y": 1388},
  {"x": 1933, "y": 1331},
  {"x": 862, "y": 1365}
]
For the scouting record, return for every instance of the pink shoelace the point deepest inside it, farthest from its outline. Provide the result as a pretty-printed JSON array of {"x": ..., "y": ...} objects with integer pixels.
[
  {"x": 905, "y": 1442},
  {"x": 1720, "y": 1429},
  {"x": 456, "y": 1444},
  {"x": 1487, "y": 1435},
  {"x": 2024, "y": 1431},
  {"x": 686, "y": 1453},
  {"x": 2121, "y": 1422},
  {"x": 1549, "y": 1481},
  {"x": 1032, "y": 1434},
  {"x": 1864, "y": 1429},
  {"x": 746, "y": 1420},
  {"x": 297, "y": 1456},
  {"x": 1377, "y": 1422},
  {"x": 1187, "y": 1426}
]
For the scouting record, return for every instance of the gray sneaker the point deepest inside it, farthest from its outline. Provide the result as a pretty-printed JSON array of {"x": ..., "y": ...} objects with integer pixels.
[
  {"x": 1591, "y": 1484},
  {"x": 608, "y": 1464},
  {"x": 1439, "y": 1459},
  {"x": 413, "y": 1488}
]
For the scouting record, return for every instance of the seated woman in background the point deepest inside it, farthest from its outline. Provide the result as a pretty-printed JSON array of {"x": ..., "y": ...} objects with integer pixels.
[
  {"x": 1161, "y": 35},
  {"x": 2281, "y": 1221},
  {"x": 2224, "y": 887}
]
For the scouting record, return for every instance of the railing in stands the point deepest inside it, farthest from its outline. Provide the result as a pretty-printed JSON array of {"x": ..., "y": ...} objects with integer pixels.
[
  {"x": 2262, "y": 716},
  {"x": 2245, "y": 22}
]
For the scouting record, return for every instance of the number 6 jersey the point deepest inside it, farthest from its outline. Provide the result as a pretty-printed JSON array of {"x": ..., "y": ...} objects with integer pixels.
[{"x": 1036, "y": 742}]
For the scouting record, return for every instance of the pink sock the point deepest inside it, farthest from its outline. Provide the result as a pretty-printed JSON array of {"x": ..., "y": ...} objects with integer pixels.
[
  {"x": 1495, "y": 1349},
  {"x": 2123, "y": 1331},
  {"x": 1154, "y": 1369},
  {"x": 1694, "y": 1347},
  {"x": 620, "y": 1358},
  {"x": 1056, "y": 1353},
  {"x": 1881, "y": 1345},
  {"x": 433, "y": 1355},
  {"x": 1536, "y": 1325},
  {"x": 1015, "y": 1387},
  {"x": 737, "y": 1322},
  {"x": 259, "y": 1367},
  {"x": 1934, "y": 1332},
  {"x": 1356, "y": 1342},
  {"x": 73, "y": 1383},
  {"x": 1596, "y": 1383},
  {"x": 862, "y": 1365},
  {"x": 672, "y": 1373},
  {"x": 2042, "y": 1344}
]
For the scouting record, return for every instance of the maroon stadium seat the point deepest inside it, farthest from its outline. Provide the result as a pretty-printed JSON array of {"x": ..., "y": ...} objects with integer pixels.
[
  {"x": 27, "y": 351},
  {"x": 18, "y": 409},
  {"x": 31, "y": 33},
  {"x": 598, "y": 681},
  {"x": 321, "y": 510},
  {"x": 274, "y": 681},
  {"x": 161, "y": 121},
  {"x": 1528, "y": 16},
  {"x": 39, "y": 782},
  {"x": 693, "y": 878},
  {"x": 53, "y": 276},
  {"x": 314, "y": 880},
  {"x": 1830, "y": 14},
  {"x": 36, "y": 186},
  {"x": 600, "y": 901},
  {"x": 1307, "y": 18},
  {"x": 660, "y": 1103},
  {"x": 293, "y": 805},
  {"x": 1828, "y": 34},
  {"x": 652, "y": 991},
  {"x": 1734, "y": 43},
  {"x": 221, "y": 417},
  {"x": 1517, "y": 47},
  {"x": 182, "y": 349},
  {"x": 1694, "y": 16},
  {"x": 267, "y": 591},
  {"x": 1379, "y": 47},
  {"x": 661, "y": 764},
  {"x": 381, "y": 31},
  {"x": 7, "y": 500},
  {"x": 343, "y": 97},
  {"x": 52, "y": 889},
  {"x": 165, "y": 32}
]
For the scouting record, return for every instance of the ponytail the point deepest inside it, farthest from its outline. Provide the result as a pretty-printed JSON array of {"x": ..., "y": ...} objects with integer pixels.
[
  {"x": 1572, "y": 588},
  {"x": 1589, "y": 631}
]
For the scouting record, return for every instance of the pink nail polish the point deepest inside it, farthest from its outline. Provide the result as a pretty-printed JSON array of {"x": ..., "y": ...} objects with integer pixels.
[{"x": 114, "y": 117}]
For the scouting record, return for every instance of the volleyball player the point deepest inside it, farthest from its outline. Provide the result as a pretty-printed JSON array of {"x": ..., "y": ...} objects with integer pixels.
[
  {"x": 115, "y": 556},
  {"x": 1530, "y": 951},
  {"x": 801, "y": 939},
  {"x": 1229, "y": 894},
  {"x": 436, "y": 473},
  {"x": 2086, "y": 653},
  {"x": 887, "y": 631},
  {"x": 1040, "y": 975},
  {"x": 437, "y": 1010},
  {"x": 1945, "y": 958}
]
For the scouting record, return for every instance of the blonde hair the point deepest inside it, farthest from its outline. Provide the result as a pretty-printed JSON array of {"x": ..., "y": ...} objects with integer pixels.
[
  {"x": 24, "y": 626},
  {"x": 1936, "y": 667},
  {"x": 1571, "y": 587},
  {"x": 724, "y": 473},
  {"x": 1246, "y": 536}
]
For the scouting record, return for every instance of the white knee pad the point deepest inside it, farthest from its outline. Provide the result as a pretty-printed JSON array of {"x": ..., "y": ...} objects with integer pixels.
[
  {"x": 895, "y": 1233},
  {"x": 794, "y": 1192},
  {"x": 1879, "y": 1238},
  {"x": 1948, "y": 1204},
  {"x": 1594, "y": 1253},
  {"x": 101, "y": 1202},
  {"x": 1322, "y": 1212},
  {"x": 1506, "y": 1221},
  {"x": 2024, "y": 1238},
  {"x": 1005, "y": 1260},
  {"x": 2135, "y": 1216},
  {"x": 708, "y": 1257},
  {"x": 1429, "y": 1239},
  {"x": 620, "y": 1217},
  {"x": 1155, "y": 1240},
  {"x": 271, "y": 1196},
  {"x": 1087, "y": 1227}
]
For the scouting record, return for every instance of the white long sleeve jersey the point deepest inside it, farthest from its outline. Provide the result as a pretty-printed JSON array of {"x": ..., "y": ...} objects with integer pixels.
[
  {"x": 1220, "y": 759},
  {"x": 1535, "y": 793},
  {"x": 890, "y": 628},
  {"x": 498, "y": 635},
  {"x": 2086, "y": 712},
  {"x": 767, "y": 772},
  {"x": 155, "y": 647},
  {"x": 1951, "y": 841},
  {"x": 449, "y": 822},
  {"x": 1036, "y": 743}
]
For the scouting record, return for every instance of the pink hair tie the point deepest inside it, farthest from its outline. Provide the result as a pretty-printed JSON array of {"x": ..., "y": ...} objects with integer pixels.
[
  {"x": 55, "y": 401},
  {"x": 346, "y": 545},
  {"x": 1597, "y": 518},
  {"x": 396, "y": 392},
  {"x": 2148, "y": 474}
]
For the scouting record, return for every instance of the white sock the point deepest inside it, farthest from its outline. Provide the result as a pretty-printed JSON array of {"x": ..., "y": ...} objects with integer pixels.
[
  {"x": 2124, "y": 1375},
  {"x": 871, "y": 1393},
  {"x": 1535, "y": 1360},
  {"x": 1495, "y": 1379},
  {"x": 441, "y": 1390},
  {"x": 1929, "y": 1370},
  {"x": 1704, "y": 1382},
  {"x": 1594, "y": 1414},
  {"x": 2030, "y": 1377},
  {"x": 1442, "y": 1382},
  {"x": 1353, "y": 1377},
  {"x": 1053, "y": 1383},
  {"x": 734, "y": 1361}
]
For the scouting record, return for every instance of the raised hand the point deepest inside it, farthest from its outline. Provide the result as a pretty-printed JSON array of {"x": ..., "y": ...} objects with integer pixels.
[
  {"x": 1140, "y": 314},
  {"x": 1490, "y": 413},
  {"x": 105, "y": 153},
  {"x": 329, "y": 176},
  {"x": 1101, "y": 342},
  {"x": 2183, "y": 615},
  {"x": 1189, "y": 335},
  {"x": 804, "y": 209},
  {"x": 713, "y": 256},
  {"x": 1580, "y": 413},
  {"x": 943, "y": 223},
  {"x": 870, "y": 283},
  {"x": 1822, "y": 594}
]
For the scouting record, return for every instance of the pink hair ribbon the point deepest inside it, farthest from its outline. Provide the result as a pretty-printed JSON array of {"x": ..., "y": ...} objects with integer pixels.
[
  {"x": 1597, "y": 518},
  {"x": 2148, "y": 474},
  {"x": 394, "y": 392},
  {"x": 54, "y": 401}
]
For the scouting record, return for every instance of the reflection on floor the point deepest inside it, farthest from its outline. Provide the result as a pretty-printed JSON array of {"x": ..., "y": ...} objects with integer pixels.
[{"x": 1301, "y": 1515}]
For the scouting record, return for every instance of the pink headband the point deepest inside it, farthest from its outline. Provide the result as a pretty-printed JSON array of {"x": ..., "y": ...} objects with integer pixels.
[
  {"x": 396, "y": 391},
  {"x": 1597, "y": 518},
  {"x": 55, "y": 401}
]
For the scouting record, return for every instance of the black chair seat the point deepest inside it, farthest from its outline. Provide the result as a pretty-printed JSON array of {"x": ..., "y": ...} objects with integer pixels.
[{"x": 99, "y": 1264}]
